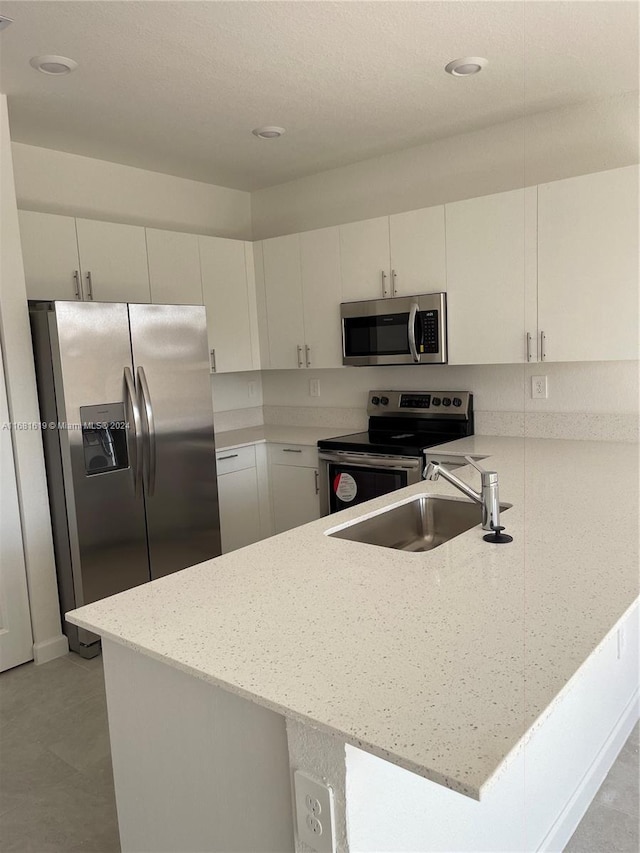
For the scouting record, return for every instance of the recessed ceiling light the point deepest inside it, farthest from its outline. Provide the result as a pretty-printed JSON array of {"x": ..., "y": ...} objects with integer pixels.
[
  {"x": 4, "y": 22},
  {"x": 53, "y": 64},
  {"x": 268, "y": 132},
  {"x": 466, "y": 66}
]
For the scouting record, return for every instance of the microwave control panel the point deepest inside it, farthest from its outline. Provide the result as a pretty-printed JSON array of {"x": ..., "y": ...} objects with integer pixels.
[{"x": 430, "y": 339}]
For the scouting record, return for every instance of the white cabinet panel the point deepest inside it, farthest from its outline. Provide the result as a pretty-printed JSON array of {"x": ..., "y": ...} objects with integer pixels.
[
  {"x": 321, "y": 295},
  {"x": 490, "y": 272},
  {"x": 239, "y": 508},
  {"x": 364, "y": 259},
  {"x": 588, "y": 266},
  {"x": 174, "y": 267},
  {"x": 294, "y": 496},
  {"x": 418, "y": 262},
  {"x": 113, "y": 258},
  {"x": 225, "y": 287},
  {"x": 283, "y": 290},
  {"x": 50, "y": 255}
]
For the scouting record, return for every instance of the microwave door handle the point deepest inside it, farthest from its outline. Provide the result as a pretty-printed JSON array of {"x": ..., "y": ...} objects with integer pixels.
[{"x": 413, "y": 313}]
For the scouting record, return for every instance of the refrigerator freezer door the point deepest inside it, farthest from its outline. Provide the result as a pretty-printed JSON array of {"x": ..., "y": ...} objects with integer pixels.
[
  {"x": 171, "y": 358},
  {"x": 106, "y": 521}
]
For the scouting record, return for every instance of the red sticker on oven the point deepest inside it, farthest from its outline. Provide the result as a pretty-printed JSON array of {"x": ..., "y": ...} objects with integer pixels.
[{"x": 345, "y": 487}]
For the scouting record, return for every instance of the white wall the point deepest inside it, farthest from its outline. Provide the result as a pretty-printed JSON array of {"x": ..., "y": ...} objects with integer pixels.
[
  {"x": 55, "y": 182},
  {"x": 48, "y": 639},
  {"x": 556, "y": 144}
]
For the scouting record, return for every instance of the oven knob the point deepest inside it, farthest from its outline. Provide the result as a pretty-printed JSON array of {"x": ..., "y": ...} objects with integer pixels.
[
  {"x": 446, "y": 401},
  {"x": 375, "y": 400},
  {"x": 384, "y": 401},
  {"x": 457, "y": 401},
  {"x": 435, "y": 401}
]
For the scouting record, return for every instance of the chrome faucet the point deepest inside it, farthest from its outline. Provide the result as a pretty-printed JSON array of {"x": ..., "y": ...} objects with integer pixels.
[{"x": 487, "y": 498}]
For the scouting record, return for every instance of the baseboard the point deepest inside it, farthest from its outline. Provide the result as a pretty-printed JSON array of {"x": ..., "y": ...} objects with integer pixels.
[
  {"x": 567, "y": 821},
  {"x": 57, "y": 647}
]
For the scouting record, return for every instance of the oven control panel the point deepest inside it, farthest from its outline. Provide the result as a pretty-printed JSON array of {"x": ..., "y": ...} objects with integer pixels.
[{"x": 425, "y": 403}]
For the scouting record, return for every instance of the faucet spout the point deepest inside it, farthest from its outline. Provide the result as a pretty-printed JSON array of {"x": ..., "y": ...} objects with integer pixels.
[{"x": 488, "y": 497}]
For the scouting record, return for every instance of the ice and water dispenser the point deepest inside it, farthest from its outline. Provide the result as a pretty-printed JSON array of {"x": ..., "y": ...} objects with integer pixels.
[{"x": 104, "y": 438}]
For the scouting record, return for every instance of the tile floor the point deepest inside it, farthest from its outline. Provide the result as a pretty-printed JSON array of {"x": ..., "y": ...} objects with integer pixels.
[{"x": 56, "y": 785}]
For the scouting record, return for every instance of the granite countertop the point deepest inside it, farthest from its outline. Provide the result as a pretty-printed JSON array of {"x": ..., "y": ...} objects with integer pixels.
[
  {"x": 442, "y": 662},
  {"x": 233, "y": 438}
]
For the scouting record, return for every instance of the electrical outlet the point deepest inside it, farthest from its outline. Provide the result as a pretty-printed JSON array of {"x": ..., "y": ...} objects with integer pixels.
[
  {"x": 314, "y": 813},
  {"x": 539, "y": 388},
  {"x": 314, "y": 387}
]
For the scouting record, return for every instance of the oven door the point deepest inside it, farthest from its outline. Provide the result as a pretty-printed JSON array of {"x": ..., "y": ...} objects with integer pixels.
[{"x": 347, "y": 479}]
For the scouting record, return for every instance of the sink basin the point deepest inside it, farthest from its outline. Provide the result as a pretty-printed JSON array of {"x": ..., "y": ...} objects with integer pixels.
[{"x": 420, "y": 524}]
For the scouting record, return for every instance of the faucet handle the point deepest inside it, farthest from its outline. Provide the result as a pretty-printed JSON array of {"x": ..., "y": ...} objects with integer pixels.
[{"x": 488, "y": 476}]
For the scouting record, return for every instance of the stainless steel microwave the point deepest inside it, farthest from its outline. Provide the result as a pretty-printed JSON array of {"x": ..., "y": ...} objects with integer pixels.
[{"x": 401, "y": 330}]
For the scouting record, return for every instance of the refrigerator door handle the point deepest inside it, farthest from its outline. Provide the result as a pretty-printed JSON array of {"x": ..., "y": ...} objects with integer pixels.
[
  {"x": 151, "y": 432},
  {"x": 137, "y": 428}
]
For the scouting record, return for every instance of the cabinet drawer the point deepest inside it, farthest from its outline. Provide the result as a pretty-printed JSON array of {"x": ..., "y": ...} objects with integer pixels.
[
  {"x": 235, "y": 459},
  {"x": 293, "y": 454}
]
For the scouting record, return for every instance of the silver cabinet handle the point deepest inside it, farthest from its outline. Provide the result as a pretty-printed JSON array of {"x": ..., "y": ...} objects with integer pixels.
[
  {"x": 137, "y": 429},
  {"x": 317, "y": 481},
  {"x": 413, "y": 313},
  {"x": 543, "y": 346},
  {"x": 394, "y": 278},
  {"x": 231, "y": 456},
  {"x": 307, "y": 350},
  {"x": 528, "y": 343},
  {"x": 89, "y": 286},
  {"x": 151, "y": 432},
  {"x": 76, "y": 282},
  {"x": 290, "y": 450},
  {"x": 299, "y": 349},
  {"x": 385, "y": 291},
  {"x": 212, "y": 360}
]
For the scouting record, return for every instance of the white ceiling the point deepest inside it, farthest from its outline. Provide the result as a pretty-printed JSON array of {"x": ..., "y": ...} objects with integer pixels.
[{"x": 177, "y": 87}]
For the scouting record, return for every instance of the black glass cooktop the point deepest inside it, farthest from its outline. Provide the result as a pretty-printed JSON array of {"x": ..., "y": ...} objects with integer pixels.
[{"x": 399, "y": 442}]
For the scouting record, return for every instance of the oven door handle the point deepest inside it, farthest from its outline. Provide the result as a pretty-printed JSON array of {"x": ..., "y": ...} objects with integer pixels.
[
  {"x": 407, "y": 463},
  {"x": 413, "y": 313}
]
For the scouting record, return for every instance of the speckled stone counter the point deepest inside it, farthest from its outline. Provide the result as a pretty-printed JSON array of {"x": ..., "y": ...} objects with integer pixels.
[{"x": 442, "y": 662}]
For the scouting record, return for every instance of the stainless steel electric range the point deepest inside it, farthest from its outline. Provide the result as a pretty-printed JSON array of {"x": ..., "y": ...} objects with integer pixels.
[{"x": 355, "y": 468}]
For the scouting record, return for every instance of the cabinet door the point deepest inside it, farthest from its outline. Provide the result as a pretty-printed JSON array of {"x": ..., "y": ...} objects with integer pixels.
[
  {"x": 294, "y": 496},
  {"x": 283, "y": 294},
  {"x": 418, "y": 262},
  {"x": 50, "y": 255},
  {"x": 490, "y": 269},
  {"x": 113, "y": 258},
  {"x": 239, "y": 509},
  {"x": 174, "y": 267},
  {"x": 588, "y": 266},
  {"x": 364, "y": 259},
  {"x": 226, "y": 298},
  {"x": 321, "y": 296}
]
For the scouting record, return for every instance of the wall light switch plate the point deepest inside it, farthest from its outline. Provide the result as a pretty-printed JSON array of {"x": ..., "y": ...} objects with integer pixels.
[
  {"x": 314, "y": 813},
  {"x": 314, "y": 387},
  {"x": 539, "y": 388}
]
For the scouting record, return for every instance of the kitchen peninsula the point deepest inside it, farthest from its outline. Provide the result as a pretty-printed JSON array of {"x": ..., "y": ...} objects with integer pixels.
[{"x": 467, "y": 698}]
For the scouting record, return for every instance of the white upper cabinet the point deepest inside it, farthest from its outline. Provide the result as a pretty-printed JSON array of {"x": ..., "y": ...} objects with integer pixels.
[
  {"x": 174, "y": 267},
  {"x": 491, "y": 275},
  {"x": 364, "y": 259},
  {"x": 418, "y": 261},
  {"x": 229, "y": 296},
  {"x": 588, "y": 266},
  {"x": 50, "y": 253},
  {"x": 321, "y": 296},
  {"x": 283, "y": 294},
  {"x": 113, "y": 258}
]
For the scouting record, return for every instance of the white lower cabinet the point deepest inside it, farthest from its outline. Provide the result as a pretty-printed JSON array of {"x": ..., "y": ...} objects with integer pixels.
[
  {"x": 293, "y": 476},
  {"x": 239, "y": 498}
]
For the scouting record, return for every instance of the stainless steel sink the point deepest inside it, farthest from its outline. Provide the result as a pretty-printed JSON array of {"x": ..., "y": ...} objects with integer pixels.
[{"x": 420, "y": 524}]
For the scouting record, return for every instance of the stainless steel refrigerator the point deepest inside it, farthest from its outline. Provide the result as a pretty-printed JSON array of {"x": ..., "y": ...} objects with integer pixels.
[{"x": 125, "y": 401}]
